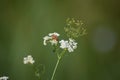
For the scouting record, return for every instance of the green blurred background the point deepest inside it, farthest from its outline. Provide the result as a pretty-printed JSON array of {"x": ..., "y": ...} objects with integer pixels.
[{"x": 24, "y": 23}]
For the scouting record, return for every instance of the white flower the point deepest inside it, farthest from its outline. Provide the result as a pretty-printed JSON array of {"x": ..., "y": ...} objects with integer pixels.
[
  {"x": 70, "y": 49},
  {"x": 46, "y": 38},
  {"x": 28, "y": 59},
  {"x": 50, "y": 34},
  {"x": 72, "y": 43},
  {"x": 4, "y": 78},
  {"x": 53, "y": 42},
  {"x": 52, "y": 38},
  {"x": 69, "y": 45},
  {"x": 63, "y": 44}
]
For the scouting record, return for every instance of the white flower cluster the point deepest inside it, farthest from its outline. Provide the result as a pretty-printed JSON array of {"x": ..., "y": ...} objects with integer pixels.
[
  {"x": 28, "y": 59},
  {"x": 69, "y": 45},
  {"x": 4, "y": 78},
  {"x": 52, "y": 38}
]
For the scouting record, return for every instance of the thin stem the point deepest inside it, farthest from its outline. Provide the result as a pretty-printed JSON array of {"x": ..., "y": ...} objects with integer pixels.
[
  {"x": 55, "y": 68},
  {"x": 58, "y": 60}
]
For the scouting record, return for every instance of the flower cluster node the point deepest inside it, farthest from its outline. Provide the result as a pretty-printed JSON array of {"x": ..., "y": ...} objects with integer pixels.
[
  {"x": 52, "y": 38},
  {"x": 28, "y": 59},
  {"x": 4, "y": 78},
  {"x": 69, "y": 45}
]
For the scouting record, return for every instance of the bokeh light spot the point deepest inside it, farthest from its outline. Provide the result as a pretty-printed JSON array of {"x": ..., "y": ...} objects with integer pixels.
[{"x": 103, "y": 39}]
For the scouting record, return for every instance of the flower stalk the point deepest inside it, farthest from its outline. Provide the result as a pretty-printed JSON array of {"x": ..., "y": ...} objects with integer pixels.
[
  {"x": 57, "y": 63},
  {"x": 58, "y": 60}
]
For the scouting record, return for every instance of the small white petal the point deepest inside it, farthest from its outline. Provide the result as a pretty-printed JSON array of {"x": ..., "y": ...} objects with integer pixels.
[
  {"x": 63, "y": 44},
  {"x": 50, "y": 38},
  {"x": 28, "y": 59},
  {"x": 50, "y": 34},
  {"x": 53, "y": 42},
  {"x": 46, "y": 38},
  {"x": 69, "y": 45},
  {"x": 70, "y": 49}
]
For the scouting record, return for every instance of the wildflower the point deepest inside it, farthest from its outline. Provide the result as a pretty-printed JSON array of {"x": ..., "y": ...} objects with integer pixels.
[
  {"x": 53, "y": 42},
  {"x": 46, "y": 38},
  {"x": 28, "y": 59},
  {"x": 63, "y": 44},
  {"x": 4, "y": 78},
  {"x": 72, "y": 45},
  {"x": 55, "y": 34},
  {"x": 52, "y": 38},
  {"x": 69, "y": 45}
]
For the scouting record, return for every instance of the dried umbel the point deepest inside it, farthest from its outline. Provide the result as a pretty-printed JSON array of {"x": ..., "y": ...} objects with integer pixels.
[{"x": 74, "y": 28}]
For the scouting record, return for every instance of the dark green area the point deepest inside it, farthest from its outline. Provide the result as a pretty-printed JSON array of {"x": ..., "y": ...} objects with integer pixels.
[{"x": 24, "y": 23}]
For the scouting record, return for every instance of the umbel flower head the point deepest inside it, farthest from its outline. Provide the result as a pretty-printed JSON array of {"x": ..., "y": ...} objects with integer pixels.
[
  {"x": 28, "y": 60},
  {"x": 4, "y": 78},
  {"x": 74, "y": 28},
  {"x": 51, "y": 38},
  {"x": 69, "y": 45}
]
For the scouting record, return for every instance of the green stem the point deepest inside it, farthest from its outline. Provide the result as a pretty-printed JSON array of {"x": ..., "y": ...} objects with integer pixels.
[
  {"x": 58, "y": 60},
  {"x": 55, "y": 68}
]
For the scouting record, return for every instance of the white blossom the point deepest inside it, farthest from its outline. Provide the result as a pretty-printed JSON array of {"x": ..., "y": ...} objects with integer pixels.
[
  {"x": 4, "y": 78},
  {"x": 28, "y": 59},
  {"x": 52, "y": 38},
  {"x": 46, "y": 38},
  {"x": 72, "y": 43},
  {"x": 53, "y": 42},
  {"x": 70, "y": 49},
  {"x": 63, "y": 44},
  {"x": 69, "y": 45},
  {"x": 50, "y": 34}
]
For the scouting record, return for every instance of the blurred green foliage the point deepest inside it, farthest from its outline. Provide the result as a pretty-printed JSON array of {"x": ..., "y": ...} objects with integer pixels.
[{"x": 24, "y": 23}]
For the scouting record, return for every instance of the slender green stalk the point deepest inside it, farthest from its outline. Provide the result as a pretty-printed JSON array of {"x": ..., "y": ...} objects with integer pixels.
[
  {"x": 58, "y": 60},
  {"x": 55, "y": 68}
]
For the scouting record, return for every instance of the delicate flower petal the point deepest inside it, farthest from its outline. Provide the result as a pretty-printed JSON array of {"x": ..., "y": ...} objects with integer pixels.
[
  {"x": 46, "y": 38},
  {"x": 50, "y": 34},
  {"x": 63, "y": 44},
  {"x": 53, "y": 42},
  {"x": 70, "y": 49},
  {"x": 69, "y": 45},
  {"x": 28, "y": 59},
  {"x": 52, "y": 38}
]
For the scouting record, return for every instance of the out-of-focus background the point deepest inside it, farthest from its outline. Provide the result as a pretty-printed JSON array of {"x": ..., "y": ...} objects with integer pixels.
[{"x": 24, "y": 23}]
